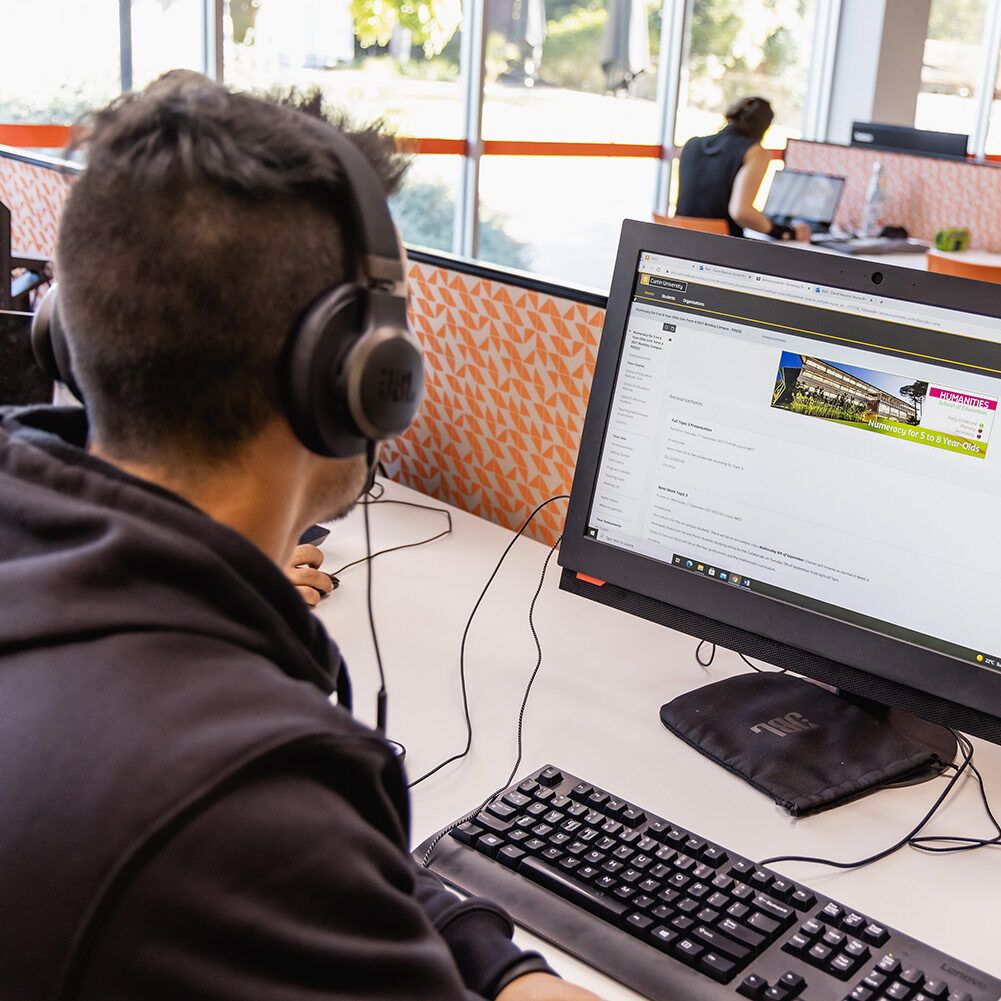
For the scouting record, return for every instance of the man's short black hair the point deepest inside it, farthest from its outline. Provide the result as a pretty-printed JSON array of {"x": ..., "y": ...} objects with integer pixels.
[{"x": 205, "y": 223}]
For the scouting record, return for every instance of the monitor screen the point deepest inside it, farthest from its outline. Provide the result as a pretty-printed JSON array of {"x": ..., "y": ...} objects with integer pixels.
[
  {"x": 903, "y": 139},
  {"x": 827, "y": 451},
  {"x": 797, "y": 194}
]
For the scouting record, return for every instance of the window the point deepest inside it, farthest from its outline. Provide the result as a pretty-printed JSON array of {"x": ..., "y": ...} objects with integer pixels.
[
  {"x": 952, "y": 59},
  {"x": 738, "y": 48},
  {"x": 386, "y": 59},
  {"x": 57, "y": 59},
  {"x": 166, "y": 35},
  {"x": 567, "y": 71}
]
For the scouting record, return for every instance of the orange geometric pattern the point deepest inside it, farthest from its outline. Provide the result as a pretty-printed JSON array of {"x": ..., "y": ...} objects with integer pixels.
[
  {"x": 922, "y": 193},
  {"x": 508, "y": 376},
  {"x": 35, "y": 197}
]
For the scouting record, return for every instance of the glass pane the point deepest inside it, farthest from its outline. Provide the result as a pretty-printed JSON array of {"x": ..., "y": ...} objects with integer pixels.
[
  {"x": 561, "y": 216},
  {"x": 166, "y": 35},
  {"x": 57, "y": 59},
  {"x": 424, "y": 210},
  {"x": 377, "y": 58},
  {"x": 951, "y": 64},
  {"x": 572, "y": 70},
  {"x": 737, "y": 48}
]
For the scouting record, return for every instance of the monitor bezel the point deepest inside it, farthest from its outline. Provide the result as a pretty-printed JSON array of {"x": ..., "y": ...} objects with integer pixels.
[
  {"x": 807, "y": 173},
  {"x": 809, "y": 634}
]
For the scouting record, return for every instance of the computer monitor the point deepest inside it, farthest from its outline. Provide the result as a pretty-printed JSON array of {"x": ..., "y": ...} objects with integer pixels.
[
  {"x": 901, "y": 139},
  {"x": 804, "y": 196},
  {"x": 794, "y": 456},
  {"x": 21, "y": 380}
]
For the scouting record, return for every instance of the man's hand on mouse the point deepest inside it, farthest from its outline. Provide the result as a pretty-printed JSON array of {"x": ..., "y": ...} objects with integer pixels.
[{"x": 303, "y": 570}]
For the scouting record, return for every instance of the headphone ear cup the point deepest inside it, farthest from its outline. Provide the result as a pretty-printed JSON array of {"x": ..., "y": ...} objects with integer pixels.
[
  {"x": 49, "y": 342},
  {"x": 314, "y": 384}
]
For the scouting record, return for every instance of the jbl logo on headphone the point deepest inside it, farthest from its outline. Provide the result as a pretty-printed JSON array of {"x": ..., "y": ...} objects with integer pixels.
[
  {"x": 396, "y": 386},
  {"x": 782, "y": 726}
]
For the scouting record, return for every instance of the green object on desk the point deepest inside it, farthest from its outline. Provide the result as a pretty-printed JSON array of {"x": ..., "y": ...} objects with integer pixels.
[{"x": 952, "y": 240}]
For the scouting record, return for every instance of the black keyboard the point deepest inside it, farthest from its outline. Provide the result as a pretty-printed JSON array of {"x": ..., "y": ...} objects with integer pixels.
[{"x": 672, "y": 915}]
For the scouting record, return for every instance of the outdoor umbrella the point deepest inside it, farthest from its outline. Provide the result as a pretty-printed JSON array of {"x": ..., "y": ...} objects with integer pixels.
[{"x": 625, "y": 45}]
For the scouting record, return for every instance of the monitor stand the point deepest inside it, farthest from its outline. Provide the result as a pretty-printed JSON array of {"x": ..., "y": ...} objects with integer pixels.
[{"x": 807, "y": 745}]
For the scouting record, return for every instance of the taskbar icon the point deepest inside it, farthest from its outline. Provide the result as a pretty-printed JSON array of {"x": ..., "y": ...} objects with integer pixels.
[{"x": 708, "y": 570}]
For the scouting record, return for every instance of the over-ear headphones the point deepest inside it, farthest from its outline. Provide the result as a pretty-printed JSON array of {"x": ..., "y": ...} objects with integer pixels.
[{"x": 352, "y": 371}]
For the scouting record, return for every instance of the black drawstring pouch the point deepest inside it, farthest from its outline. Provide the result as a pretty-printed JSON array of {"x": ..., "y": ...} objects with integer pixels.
[{"x": 806, "y": 747}]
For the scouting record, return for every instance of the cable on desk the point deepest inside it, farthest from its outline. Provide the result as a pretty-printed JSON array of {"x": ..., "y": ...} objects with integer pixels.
[
  {"x": 462, "y": 646},
  {"x": 366, "y": 504},
  {"x": 712, "y": 656},
  {"x": 941, "y": 843},
  {"x": 426, "y": 860}
]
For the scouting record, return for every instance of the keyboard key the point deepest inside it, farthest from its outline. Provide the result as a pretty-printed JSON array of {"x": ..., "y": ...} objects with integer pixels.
[
  {"x": 542, "y": 830},
  {"x": 587, "y": 871},
  {"x": 780, "y": 912},
  {"x": 741, "y": 869},
  {"x": 605, "y": 844},
  {"x": 633, "y": 816},
  {"x": 611, "y": 827},
  {"x": 489, "y": 844},
  {"x": 581, "y": 791},
  {"x": 572, "y": 889},
  {"x": 517, "y": 799},
  {"x": 643, "y": 902},
  {"x": 683, "y": 923},
  {"x": 802, "y": 900},
  {"x": 593, "y": 857},
  {"x": 842, "y": 966},
  {"x": 793, "y": 983},
  {"x": 577, "y": 810},
  {"x": 707, "y": 916},
  {"x": 510, "y": 856},
  {"x": 534, "y": 845},
  {"x": 624, "y": 892},
  {"x": 554, "y": 817},
  {"x": 959, "y": 996},
  {"x": 641, "y": 861},
  {"x": 688, "y": 906},
  {"x": 875, "y": 980},
  {"x": 738, "y": 911},
  {"x": 935, "y": 989},
  {"x": 857, "y": 950},
  {"x": 761, "y": 880},
  {"x": 811, "y": 928},
  {"x": 612, "y": 867},
  {"x": 559, "y": 839},
  {"x": 719, "y": 900},
  {"x": 467, "y": 833},
  {"x": 552, "y": 854},
  {"x": 683, "y": 863},
  {"x": 752, "y": 987},
  {"x": 703, "y": 872},
  {"x": 715, "y": 856},
  {"x": 898, "y": 991},
  {"x": 652, "y": 886},
  {"x": 741, "y": 933},
  {"x": 528, "y": 786},
  {"x": 782, "y": 889},
  {"x": 832, "y": 914},
  {"x": 662, "y": 912},
  {"x": 797, "y": 945},
  {"x": 536, "y": 809},
  {"x": 875, "y": 934},
  {"x": 688, "y": 951},
  {"x": 647, "y": 845},
  {"x": 913, "y": 978},
  {"x": 694, "y": 847},
  {"x": 741, "y": 891},
  {"x": 860, "y": 993},
  {"x": 676, "y": 837},
  {"x": 659, "y": 871},
  {"x": 491, "y": 823},
  {"x": 614, "y": 807},
  {"x": 638, "y": 923},
  {"x": 550, "y": 776},
  {"x": 721, "y": 943},
  {"x": 663, "y": 937},
  {"x": 720, "y": 968},
  {"x": 818, "y": 954},
  {"x": 597, "y": 799},
  {"x": 697, "y": 891},
  {"x": 569, "y": 864},
  {"x": 665, "y": 854},
  {"x": 544, "y": 795},
  {"x": 889, "y": 965},
  {"x": 835, "y": 939},
  {"x": 656, "y": 829},
  {"x": 722, "y": 882},
  {"x": 623, "y": 852},
  {"x": 775, "y": 993},
  {"x": 560, "y": 802},
  {"x": 764, "y": 924},
  {"x": 853, "y": 922},
  {"x": 629, "y": 837},
  {"x": 606, "y": 883}
]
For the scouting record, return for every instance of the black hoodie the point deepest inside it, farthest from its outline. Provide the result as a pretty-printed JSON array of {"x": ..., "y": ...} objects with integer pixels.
[{"x": 185, "y": 815}]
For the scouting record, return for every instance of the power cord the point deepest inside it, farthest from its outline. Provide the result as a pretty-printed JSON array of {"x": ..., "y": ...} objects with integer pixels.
[
  {"x": 462, "y": 646},
  {"x": 426, "y": 860},
  {"x": 712, "y": 656},
  {"x": 939, "y": 843}
]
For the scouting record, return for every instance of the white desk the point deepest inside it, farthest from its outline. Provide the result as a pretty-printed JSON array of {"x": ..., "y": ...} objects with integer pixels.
[{"x": 594, "y": 711}]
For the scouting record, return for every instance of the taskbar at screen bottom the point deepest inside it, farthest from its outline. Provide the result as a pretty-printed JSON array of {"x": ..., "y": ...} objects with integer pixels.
[
  {"x": 732, "y": 579},
  {"x": 728, "y": 577}
]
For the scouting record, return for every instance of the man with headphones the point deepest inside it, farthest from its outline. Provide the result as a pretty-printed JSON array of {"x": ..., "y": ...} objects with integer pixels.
[{"x": 186, "y": 814}]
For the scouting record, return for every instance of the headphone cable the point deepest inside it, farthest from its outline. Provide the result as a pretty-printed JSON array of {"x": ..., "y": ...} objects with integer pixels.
[{"x": 381, "y": 697}]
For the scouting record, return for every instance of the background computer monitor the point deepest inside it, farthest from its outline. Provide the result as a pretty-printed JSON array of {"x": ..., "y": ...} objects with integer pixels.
[
  {"x": 794, "y": 456},
  {"x": 802, "y": 195},
  {"x": 901, "y": 139},
  {"x": 21, "y": 380}
]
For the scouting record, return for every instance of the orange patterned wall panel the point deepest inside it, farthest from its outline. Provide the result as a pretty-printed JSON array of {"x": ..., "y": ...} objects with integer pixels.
[
  {"x": 35, "y": 197},
  {"x": 508, "y": 376},
  {"x": 923, "y": 193}
]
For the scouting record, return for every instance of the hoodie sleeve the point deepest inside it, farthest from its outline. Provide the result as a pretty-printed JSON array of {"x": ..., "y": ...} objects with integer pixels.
[
  {"x": 478, "y": 934},
  {"x": 276, "y": 890}
]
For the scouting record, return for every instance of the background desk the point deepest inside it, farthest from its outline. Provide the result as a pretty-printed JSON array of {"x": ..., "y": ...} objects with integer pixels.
[{"x": 594, "y": 711}]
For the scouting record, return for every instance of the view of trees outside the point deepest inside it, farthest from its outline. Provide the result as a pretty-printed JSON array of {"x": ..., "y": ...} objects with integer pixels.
[
  {"x": 57, "y": 59},
  {"x": 741, "y": 47},
  {"x": 951, "y": 66}
]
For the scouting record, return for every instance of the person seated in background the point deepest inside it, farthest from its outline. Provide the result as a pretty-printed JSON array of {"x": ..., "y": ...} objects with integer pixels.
[
  {"x": 720, "y": 174},
  {"x": 186, "y": 813}
]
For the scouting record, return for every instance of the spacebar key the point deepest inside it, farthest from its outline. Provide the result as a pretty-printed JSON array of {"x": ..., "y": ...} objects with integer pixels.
[{"x": 571, "y": 889}]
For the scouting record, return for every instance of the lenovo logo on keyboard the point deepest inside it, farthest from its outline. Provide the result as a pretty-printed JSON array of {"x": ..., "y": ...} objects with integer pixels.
[{"x": 782, "y": 726}]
